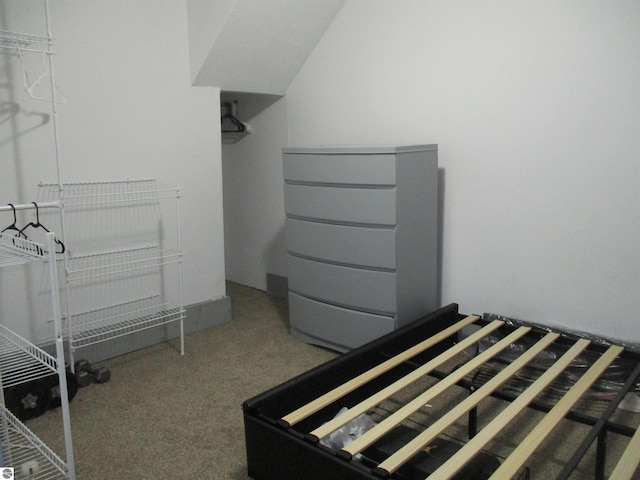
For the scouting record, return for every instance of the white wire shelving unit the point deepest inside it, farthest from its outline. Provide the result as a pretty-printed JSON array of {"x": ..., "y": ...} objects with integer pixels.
[
  {"x": 101, "y": 256},
  {"x": 21, "y": 362},
  {"x": 135, "y": 293}
]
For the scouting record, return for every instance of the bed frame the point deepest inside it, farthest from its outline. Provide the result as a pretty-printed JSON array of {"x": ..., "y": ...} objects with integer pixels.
[{"x": 514, "y": 390}]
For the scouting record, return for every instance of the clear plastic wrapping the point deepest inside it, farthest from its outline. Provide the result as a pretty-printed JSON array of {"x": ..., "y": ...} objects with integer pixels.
[
  {"x": 597, "y": 339},
  {"x": 350, "y": 431},
  {"x": 606, "y": 388}
]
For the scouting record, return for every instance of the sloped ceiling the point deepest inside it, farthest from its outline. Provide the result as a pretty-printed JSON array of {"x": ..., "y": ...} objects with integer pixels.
[{"x": 254, "y": 46}]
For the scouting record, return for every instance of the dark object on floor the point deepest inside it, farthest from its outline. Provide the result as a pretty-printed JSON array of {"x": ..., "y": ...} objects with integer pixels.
[
  {"x": 86, "y": 374},
  {"x": 28, "y": 400},
  {"x": 53, "y": 381},
  {"x": 31, "y": 399}
]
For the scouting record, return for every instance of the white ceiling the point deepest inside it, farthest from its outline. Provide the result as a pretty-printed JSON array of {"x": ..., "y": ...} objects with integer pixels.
[{"x": 254, "y": 46}]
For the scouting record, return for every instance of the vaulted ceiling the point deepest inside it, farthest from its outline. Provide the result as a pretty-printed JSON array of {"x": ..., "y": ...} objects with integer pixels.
[{"x": 254, "y": 46}]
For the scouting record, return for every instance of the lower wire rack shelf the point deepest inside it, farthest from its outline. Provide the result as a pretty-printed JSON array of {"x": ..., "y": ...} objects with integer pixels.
[
  {"x": 21, "y": 447},
  {"x": 119, "y": 320},
  {"x": 21, "y": 361}
]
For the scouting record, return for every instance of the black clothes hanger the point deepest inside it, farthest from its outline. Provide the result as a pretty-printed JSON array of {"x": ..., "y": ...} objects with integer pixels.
[
  {"x": 39, "y": 225},
  {"x": 13, "y": 226},
  {"x": 237, "y": 126}
]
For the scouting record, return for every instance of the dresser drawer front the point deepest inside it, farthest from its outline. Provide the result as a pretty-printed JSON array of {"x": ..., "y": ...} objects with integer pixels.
[
  {"x": 341, "y": 169},
  {"x": 343, "y": 328},
  {"x": 367, "y": 290},
  {"x": 375, "y": 206},
  {"x": 358, "y": 246}
]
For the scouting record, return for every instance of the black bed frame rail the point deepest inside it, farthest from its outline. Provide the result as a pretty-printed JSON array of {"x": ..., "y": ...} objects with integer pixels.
[{"x": 599, "y": 430}]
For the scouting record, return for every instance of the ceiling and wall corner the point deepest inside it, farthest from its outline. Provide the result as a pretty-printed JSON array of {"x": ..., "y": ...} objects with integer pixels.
[
  {"x": 254, "y": 46},
  {"x": 252, "y": 50},
  {"x": 205, "y": 21}
]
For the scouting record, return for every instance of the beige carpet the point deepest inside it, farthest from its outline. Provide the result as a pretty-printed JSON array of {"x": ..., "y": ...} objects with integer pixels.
[{"x": 163, "y": 415}]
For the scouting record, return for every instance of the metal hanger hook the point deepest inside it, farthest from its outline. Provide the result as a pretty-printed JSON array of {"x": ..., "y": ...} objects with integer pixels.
[{"x": 37, "y": 213}]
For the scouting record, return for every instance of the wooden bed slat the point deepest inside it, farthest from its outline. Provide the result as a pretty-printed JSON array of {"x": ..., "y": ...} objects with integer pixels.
[
  {"x": 403, "y": 413},
  {"x": 522, "y": 452},
  {"x": 424, "y": 438},
  {"x": 420, "y": 372},
  {"x": 347, "y": 387},
  {"x": 629, "y": 460},
  {"x": 473, "y": 446}
]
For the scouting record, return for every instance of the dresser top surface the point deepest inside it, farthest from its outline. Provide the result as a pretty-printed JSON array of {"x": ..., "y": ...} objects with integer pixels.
[{"x": 359, "y": 149}]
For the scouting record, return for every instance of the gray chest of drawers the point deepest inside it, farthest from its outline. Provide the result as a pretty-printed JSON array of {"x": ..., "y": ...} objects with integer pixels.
[{"x": 362, "y": 238}]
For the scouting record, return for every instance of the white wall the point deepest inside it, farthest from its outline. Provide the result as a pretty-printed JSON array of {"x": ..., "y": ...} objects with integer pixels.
[
  {"x": 131, "y": 113},
  {"x": 536, "y": 109}
]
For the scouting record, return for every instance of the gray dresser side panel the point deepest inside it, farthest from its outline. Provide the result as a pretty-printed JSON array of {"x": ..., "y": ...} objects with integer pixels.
[{"x": 417, "y": 234}]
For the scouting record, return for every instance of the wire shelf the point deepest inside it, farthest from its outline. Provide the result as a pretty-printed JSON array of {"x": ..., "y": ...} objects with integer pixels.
[
  {"x": 24, "y": 38},
  {"x": 78, "y": 195},
  {"x": 21, "y": 361},
  {"x": 26, "y": 42},
  {"x": 18, "y": 251},
  {"x": 123, "y": 319},
  {"x": 110, "y": 263},
  {"x": 20, "y": 445}
]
